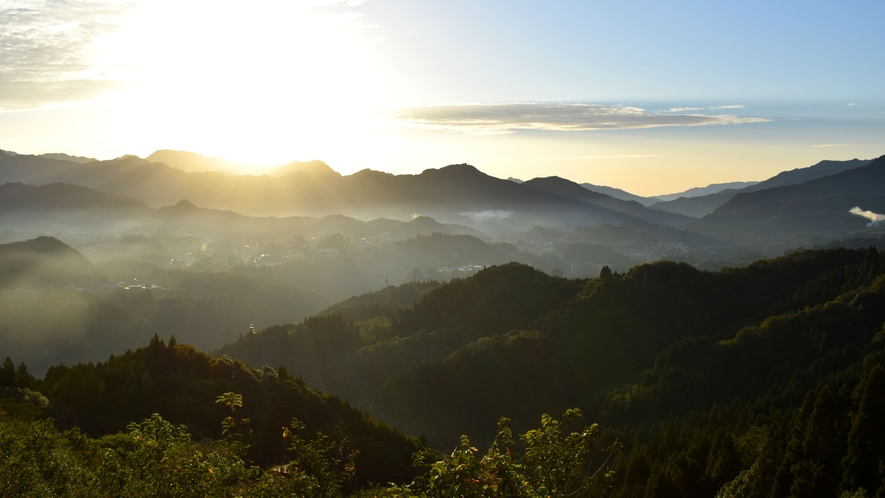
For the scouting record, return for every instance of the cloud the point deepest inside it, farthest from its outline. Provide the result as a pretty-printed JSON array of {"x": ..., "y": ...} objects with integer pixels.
[
  {"x": 591, "y": 158},
  {"x": 684, "y": 109},
  {"x": 719, "y": 107},
  {"x": 852, "y": 104},
  {"x": 820, "y": 146},
  {"x": 876, "y": 219},
  {"x": 507, "y": 118},
  {"x": 47, "y": 50},
  {"x": 488, "y": 215},
  {"x": 58, "y": 52}
]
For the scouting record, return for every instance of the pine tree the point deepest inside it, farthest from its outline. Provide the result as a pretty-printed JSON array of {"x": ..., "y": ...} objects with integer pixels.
[
  {"x": 783, "y": 481},
  {"x": 865, "y": 442},
  {"x": 821, "y": 466},
  {"x": 7, "y": 374},
  {"x": 23, "y": 380}
]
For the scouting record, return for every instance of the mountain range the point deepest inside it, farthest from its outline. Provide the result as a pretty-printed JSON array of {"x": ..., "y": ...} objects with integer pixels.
[
  {"x": 698, "y": 206},
  {"x": 459, "y": 198},
  {"x": 457, "y": 193},
  {"x": 819, "y": 206}
]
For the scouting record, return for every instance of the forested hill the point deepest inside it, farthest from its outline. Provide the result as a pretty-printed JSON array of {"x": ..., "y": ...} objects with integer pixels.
[
  {"x": 703, "y": 376},
  {"x": 759, "y": 381},
  {"x": 44, "y": 261},
  {"x": 182, "y": 385}
]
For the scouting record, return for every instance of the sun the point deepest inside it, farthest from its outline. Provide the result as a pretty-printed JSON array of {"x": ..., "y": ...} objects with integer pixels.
[{"x": 262, "y": 82}]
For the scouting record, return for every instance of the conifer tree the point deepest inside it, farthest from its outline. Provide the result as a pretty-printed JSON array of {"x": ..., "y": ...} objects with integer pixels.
[
  {"x": 7, "y": 374},
  {"x": 866, "y": 446},
  {"x": 23, "y": 380}
]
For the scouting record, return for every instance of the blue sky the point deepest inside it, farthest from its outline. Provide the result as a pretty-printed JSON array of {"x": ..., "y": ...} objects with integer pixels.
[
  {"x": 514, "y": 50},
  {"x": 653, "y": 97}
]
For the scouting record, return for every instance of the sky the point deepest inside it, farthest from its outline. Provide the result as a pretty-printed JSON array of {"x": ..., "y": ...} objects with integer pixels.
[{"x": 651, "y": 97}]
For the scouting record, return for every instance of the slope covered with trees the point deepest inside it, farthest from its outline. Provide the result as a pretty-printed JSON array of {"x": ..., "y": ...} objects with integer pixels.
[
  {"x": 538, "y": 343},
  {"x": 764, "y": 380},
  {"x": 183, "y": 385}
]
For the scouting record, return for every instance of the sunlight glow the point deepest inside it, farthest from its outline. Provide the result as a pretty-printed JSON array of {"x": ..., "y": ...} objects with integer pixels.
[{"x": 267, "y": 82}]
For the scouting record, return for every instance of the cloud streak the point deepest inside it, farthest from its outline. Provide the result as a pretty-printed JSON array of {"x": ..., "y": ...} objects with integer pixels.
[
  {"x": 506, "y": 118},
  {"x": 59, "y": 52},
  {"x": 47, "y": 50},
  {"x": 821, "y": 146}
]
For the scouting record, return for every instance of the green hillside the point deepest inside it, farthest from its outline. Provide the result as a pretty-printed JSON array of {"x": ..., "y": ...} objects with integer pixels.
[
  {"x": 44, "y": 261},
  {"x": 764, "y": 380}
]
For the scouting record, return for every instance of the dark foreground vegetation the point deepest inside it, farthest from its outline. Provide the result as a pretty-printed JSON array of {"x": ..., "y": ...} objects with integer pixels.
[
  {"x": 763, "y": 381},
  {"x": 325, "y": 449}
]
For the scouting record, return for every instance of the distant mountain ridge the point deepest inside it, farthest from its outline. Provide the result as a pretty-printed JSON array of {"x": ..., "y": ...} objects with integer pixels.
[
  {"x": 620, "y": 194},
  {"x": 709, "y": 189},
  {"x": 867, "y": 181},
  {"x": 820, "y": 205},
  {"x": 801, "y": 175},
  {"x": 699, "y": 206},
  {"x": 63, "y": 196},
  {"x": 192, "y": 162},
  {"x": 68, "y": 157},
  {"x": 572, "y": 190},
  {"x": 456, "y": 193},
  {"x": 81, "y": 207},
  {"x": 315, "y": 167}
]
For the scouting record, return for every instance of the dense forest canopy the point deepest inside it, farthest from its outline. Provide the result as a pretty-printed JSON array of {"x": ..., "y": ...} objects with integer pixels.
[{"x": 762, "y": 380}]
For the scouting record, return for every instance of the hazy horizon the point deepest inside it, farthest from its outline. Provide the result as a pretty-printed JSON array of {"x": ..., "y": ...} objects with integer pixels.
[{"x": 648, "y": 98}]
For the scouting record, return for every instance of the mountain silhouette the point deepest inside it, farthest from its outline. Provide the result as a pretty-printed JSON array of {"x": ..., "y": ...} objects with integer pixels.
[
  {"x": 572, "y": 190},
  {"x": 620, "y": 194},
  {"x": 191, "y": 162},
  {"x": 699, "y": 206},
  {"x": 315, "y": 167},
  {"x": 816, "y": 206},
  {"x": 44, "y": 261},
  {"x": 63, "y": 196},
  {"x": 709, "y": 189},
  {"x": 452, "y": 194}
]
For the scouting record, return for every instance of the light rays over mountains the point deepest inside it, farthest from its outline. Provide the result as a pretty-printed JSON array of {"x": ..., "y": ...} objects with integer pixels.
[{"x": 400, "y": 86}]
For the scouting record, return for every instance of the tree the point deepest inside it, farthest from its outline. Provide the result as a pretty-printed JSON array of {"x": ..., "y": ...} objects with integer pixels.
[
  {"x": 866, "y": 449},
  {"x": 7, "y": 374},
  {"x": 23, "y": 380},
  {"x": 552, "y": 464}
]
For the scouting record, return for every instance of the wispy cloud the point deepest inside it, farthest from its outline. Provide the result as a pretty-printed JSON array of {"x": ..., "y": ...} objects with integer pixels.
[
  {"x": 591, "y": 158},
  {"x": 685, "y": 109},
  {"x": 507, "y": 118},
  {"x": 821, "y": 146},
  {"x": 720, "y": 107},
  {"x": 47, "y": 50},
  {"x": 58, "y": 52}
]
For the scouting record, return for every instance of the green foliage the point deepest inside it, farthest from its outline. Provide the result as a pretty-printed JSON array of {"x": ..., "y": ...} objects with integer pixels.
[
  {"x": 159, "y": 459},
  {"x": 35, "y": 460},
  {"x": 552, "y": 463},
  {"x": 7, "y": 373},
  {"x": 589, "y": 337},
  {"x": 187, "y": 387},
  {"x": 753, "y": 382}
]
